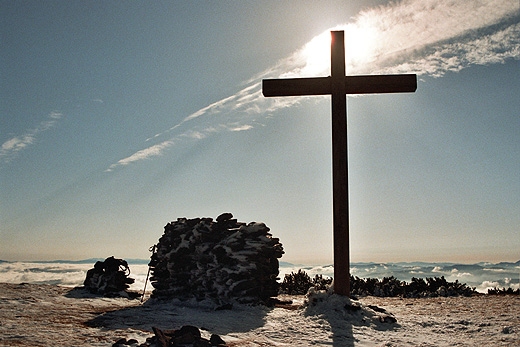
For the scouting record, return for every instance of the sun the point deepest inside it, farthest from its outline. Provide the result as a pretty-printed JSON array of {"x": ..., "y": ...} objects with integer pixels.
[
  {"x": 313, "y": 59},
  {"x": 316, "y": 56},
  {"x": 360, "y": 45}
]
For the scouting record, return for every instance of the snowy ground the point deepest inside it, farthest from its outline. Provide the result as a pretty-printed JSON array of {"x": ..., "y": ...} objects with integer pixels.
[{"x": 48, "y": 315}]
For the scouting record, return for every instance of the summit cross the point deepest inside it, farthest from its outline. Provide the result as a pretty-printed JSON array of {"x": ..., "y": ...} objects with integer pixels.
[{"x": 338, "y": 85}]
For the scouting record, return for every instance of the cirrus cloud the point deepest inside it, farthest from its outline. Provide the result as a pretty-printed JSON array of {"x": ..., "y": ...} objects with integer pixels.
[
  {"x": 15, "y": 144},
  {"x": 426, "y": 37}
]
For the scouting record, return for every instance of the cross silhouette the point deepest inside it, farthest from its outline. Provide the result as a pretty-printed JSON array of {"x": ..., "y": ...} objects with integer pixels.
[{"x": 338, "y": 85}]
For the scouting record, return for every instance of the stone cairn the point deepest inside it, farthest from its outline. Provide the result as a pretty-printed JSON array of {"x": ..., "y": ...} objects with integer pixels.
[
  {"x": 222, "y": 260},
  {"x": 109, "y": 278}
]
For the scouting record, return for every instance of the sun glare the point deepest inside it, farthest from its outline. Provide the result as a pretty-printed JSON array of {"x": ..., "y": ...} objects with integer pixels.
[
  {"x": 360, "y": 45},
  {"x": 316, "y": 54}
]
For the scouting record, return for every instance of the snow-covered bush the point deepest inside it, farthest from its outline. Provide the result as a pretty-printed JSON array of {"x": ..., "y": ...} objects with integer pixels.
[
  {"x": 301, "y": 282},
  {"x": 416, "y": 288}
]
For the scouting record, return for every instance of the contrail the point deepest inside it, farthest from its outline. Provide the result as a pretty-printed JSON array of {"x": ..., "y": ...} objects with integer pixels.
[{"x": 426, "y": 37}]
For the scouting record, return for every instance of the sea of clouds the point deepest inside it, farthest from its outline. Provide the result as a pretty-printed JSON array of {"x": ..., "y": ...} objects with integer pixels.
[{"x": 481, "y": 275}]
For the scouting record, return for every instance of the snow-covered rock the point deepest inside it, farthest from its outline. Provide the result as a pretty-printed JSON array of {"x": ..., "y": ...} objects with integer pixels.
[{"x": 109, "y": 277}]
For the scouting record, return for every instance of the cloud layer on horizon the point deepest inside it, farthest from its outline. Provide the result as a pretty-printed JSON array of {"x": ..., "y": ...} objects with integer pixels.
[
  {"x": 483, "y": 276},
  {"x": 426, "y": 37}
]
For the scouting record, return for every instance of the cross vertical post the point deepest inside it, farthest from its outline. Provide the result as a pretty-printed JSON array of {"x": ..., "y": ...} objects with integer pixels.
[
  {"x": 338, "y": 85},
  {"x": 340, "y": 167}
]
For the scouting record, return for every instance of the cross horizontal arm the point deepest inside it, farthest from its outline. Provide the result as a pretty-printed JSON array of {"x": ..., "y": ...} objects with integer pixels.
[
  {"x": 380, "y": 84},
  {"x": 367, "y": 84},
  {"x": 297, "y": 86}
]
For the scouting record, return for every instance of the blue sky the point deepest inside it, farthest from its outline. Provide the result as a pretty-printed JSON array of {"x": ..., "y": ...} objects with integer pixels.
[{"x": 118, "y": 117}]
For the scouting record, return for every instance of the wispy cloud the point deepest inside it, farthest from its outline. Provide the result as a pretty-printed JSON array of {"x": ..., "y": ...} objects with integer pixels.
[
  {"x": 426, "y": 37},
  {"x": 12, "y": 146},
  {"x": 434, "y": 37},
  {"x": 146, "y": 153}
]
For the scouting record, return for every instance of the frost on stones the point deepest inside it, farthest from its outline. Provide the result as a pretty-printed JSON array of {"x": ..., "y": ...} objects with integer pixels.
[{"x": 222, "y": 260}]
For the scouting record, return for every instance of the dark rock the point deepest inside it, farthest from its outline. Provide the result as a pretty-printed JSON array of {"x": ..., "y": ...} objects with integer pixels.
[
  {"x": 352, "y": 307},
  {"x": 161, "y": 339},
  {"x": 120, "y": 342},
  {"x": 377, "y": 308},
  {"x": 224, "y": 307},
  {"x": 123, "y": 342},
  {"x": 110, "y": 278},
  {"x": 224, "y": 217},
  {"x": 387, "y": 319},
  {"x": 186, "y": 335},
  {"x": 272, "y": 302},
  {"x": 216, "y": 340},
  {"x": 507, "y": 330}
]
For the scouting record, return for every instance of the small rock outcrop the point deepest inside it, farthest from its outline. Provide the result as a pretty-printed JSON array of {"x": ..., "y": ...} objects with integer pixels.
[
  {"x": 109, "y": 278},
  {"x": 186, "y": 336},
  {"x": 222, "y": 260}
]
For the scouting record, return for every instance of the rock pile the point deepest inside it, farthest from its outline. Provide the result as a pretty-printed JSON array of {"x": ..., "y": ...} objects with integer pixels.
[
  {"x": 109, "y": 277},
  {"x": 222, "y": 260},
  {"x": 186, "y": 336}
]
